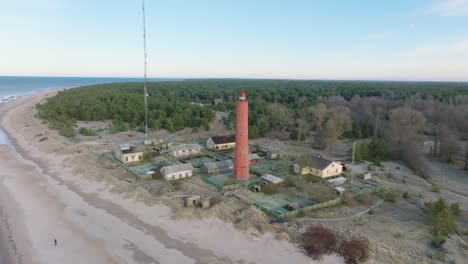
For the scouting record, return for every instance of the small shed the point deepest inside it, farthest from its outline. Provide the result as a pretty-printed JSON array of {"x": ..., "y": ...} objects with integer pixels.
[
  {"x": 273, "y": 154},
  {"x": 218, "y": 166},
  {"x": 254, "y": 159},
  {"x": 367, "y": 176},
  {"x": 339, "y": 190},
  {"x": 268, "y": 178},
  {"x": 255, "y": 188},
  {"x": 336, "y": 181},
  {"x": 192, "y": 201}
]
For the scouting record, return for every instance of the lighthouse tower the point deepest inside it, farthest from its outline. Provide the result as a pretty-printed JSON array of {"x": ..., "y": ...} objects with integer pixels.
[{"x": 241, "y": 159}]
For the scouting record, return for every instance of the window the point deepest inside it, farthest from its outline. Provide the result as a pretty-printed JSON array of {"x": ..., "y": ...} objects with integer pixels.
[
  {"x": 126, "y": 158},
  {"x": 139, "y": 157},
  {"x": 217, "y": 147},
  {"x": 186, "y": 174}
]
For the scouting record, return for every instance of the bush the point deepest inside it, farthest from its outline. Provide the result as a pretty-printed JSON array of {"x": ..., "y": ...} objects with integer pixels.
[
  {"x": 355, "y": 251},
  {"x": 318, "y": 240},
  {"x": 269, "y": 189},
  {"x": 440, "y": 217},
  {"x": 289, "y": 182},
  {"x": 388, "y": 195},
  {"x": 371, "y": 211},
  {"x": 405, "y": 195},
  {"x": 86, "y": 132},
  {"x": 438, "y": 240},
  {"x": 455, "y": 208},
  {"x": 435, "y": 188}
]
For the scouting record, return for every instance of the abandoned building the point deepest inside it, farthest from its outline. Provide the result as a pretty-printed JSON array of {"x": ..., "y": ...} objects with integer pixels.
[
  {"x": 129, "y": 154},
  {"x": 269, "y": 178},
  {"x": 318, "y": 166},
  {"x": 221, "y": 142},
  {"x": 254, "y": 159},
  {"x": 273, "y": 154},
  {"x": 185, "y": 151},
  {"x": 218, "y": 166},
  {"x": 335, "y": 181},
  {"x": 177, "y": 171}
]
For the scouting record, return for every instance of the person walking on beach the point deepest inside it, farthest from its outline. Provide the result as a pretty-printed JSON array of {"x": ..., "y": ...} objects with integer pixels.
[{"x": 55, "y": 241}]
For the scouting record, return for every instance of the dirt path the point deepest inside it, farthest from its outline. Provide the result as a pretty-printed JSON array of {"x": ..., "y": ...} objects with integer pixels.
[{"x": 341, "y": 218}]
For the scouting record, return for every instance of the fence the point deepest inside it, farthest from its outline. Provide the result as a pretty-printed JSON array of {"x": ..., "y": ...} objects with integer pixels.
[{"x": 278, "y": 214}]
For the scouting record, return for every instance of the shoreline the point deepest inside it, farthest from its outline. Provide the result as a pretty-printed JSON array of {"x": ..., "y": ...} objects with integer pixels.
[{"x": 117, "y": 227}]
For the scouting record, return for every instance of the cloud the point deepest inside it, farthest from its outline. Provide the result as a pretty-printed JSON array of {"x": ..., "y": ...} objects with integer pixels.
[{"x": 449, "y": 8}]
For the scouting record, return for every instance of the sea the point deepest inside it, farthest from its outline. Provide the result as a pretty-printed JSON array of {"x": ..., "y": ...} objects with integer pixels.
[{"x": 12, "y": 87}]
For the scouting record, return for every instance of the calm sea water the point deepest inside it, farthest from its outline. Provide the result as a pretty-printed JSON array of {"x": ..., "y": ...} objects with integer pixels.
[{"x": 12, "y": 87}]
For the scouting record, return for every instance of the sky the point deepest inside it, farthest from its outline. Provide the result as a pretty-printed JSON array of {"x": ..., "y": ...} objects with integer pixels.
[{"x": 310, "y": 39}]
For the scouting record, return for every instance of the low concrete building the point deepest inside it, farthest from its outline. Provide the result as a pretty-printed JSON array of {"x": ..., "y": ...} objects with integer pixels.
[
  {"x": 318, "y": 166},
  {"x": 218, "y": 166},
  {"x": 335, "y": 181},
  {"x": 129, "y": 154},
  {"x": 273, "y": 154},
  {"x": 192, "y": 201},
  {"x": 254, "y": 159},
  {"x": 221, "y": 142},
  {"x": 177, "y": 171},
  {"x": 367, "y": 176},
  {"x": 339, "y": 190},
  {"x": 185, "y": 151},
  {"x": 268, "y": 178}
]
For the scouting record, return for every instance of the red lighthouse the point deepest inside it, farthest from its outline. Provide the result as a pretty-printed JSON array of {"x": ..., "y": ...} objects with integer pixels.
[{"x": 241, "y": 159}]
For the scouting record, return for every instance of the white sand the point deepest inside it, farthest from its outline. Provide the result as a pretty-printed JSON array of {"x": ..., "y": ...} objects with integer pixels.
[{"x": 93, "y": 225}]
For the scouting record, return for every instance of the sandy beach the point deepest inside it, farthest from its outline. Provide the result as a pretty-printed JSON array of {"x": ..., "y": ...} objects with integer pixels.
[{"x": 43, "y": 198}]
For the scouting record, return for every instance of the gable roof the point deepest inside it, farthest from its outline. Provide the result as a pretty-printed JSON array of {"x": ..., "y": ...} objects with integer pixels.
[
  {"x": 218, "y": 164},
  {"x": 185, "y": 147},
  {"x": 224, "y": 139},
  {"x": 319, "y": 163},
  {"x": 176, "y": 168}
]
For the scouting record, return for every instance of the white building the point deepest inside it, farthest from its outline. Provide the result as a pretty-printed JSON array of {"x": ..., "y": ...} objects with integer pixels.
[
  {"x": 128, "y": 154},
  {"x": 184, "y": 151},
  {"x": 177, "y": 171},
  {"x": 221, "y": 142},
  {"x": 272, "y": 179},
  {"x": 336, "y": 181},
  {"x": 318, "y": 166}
]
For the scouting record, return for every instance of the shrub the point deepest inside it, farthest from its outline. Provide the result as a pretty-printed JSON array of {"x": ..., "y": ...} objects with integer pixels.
[
  {"x": 440, "y": 217},
  {"x": 405, "y": 195},
  {"x": 86, "y": 132},
  {"x": 289, "y": 182},
  {"x": 455, "y": 208},
  {"x": 438, "y": 240},
  {"x": 355, "y": 251},
  {"x": 435, "y": 188},
  {"x": 269, "y": 189},
  {"x": 348, "y": 198},
  {"x": 318, "y": 240},
  {"x": 388, "y": 195},
  {"x": 371, "y": 211}
]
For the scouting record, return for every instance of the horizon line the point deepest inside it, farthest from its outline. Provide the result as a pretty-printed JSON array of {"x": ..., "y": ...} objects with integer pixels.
[{"x": 240, "y": 78}]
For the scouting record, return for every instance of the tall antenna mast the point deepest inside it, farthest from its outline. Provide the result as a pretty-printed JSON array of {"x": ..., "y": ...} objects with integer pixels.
[{"x": 146, "y": 79}]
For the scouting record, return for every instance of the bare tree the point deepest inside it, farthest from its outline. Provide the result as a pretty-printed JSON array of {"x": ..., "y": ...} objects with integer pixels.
[
  {"x": 448, "y": 144},
  {"x": 282, "y": 116},
  {"x": 338, "y": 123},
  {"x": 404, "y": 122},
  {"x": 301, "y": 128},
  {"x": 319, "y": 113}
]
